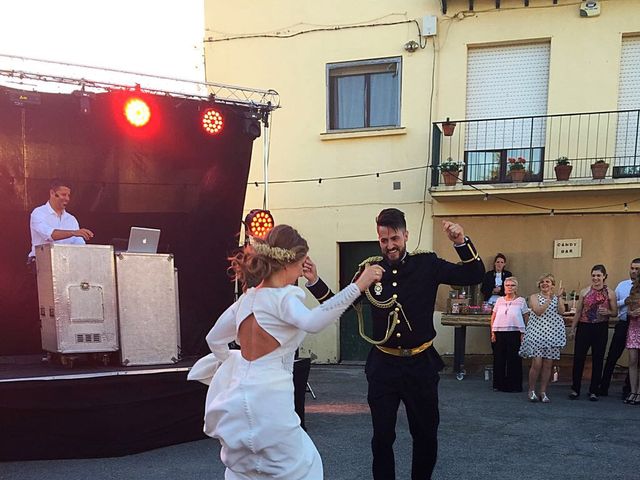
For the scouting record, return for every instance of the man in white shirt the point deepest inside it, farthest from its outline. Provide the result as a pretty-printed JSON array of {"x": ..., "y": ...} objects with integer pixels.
[
  {"x": 51, "y": 223},
  {"x": 619, "y": 339}
]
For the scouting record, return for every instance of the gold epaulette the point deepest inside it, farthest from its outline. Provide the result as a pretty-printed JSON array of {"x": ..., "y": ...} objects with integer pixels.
[
  {"x": 367, "y": 261},
  {"x": 420, "y": 252}
]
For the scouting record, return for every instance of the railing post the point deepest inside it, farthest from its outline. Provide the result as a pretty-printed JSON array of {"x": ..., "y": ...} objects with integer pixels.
[{"x": 436, "y": 139}]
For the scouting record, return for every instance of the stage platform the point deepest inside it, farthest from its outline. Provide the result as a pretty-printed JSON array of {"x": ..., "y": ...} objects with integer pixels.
[
  {"x": 50, "y": 411},
  {"x": 28, "y": 368}
]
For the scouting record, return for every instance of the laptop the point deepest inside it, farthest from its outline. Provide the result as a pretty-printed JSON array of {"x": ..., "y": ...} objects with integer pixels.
[{"x": 143, "y": 240}]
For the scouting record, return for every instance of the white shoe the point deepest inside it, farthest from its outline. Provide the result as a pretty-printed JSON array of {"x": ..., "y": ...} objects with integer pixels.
[
  {"x": 544, "y": 398},
  {"x": 532, "y": 396}
]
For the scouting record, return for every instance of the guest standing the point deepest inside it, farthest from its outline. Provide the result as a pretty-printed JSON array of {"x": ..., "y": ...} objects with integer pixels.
[
  {"x": 507, "y": 328},
  {"x": 590, "y": 325},
  {"x": 545, "y": 335},
  {"x": 619, "y": 338},
  {"x": 493, "y": 281},
  {"x": 633, "y": 342}
]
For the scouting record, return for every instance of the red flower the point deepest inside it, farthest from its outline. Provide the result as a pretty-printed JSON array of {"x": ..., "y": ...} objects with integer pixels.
[{"x": 516, "y": 163}]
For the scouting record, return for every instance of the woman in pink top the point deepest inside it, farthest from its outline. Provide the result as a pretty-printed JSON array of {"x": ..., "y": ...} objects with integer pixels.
[
  {"x": 633, "y": 342},
  {"x": 590, "y": 325},
  {"x": 507, "y": 329}
]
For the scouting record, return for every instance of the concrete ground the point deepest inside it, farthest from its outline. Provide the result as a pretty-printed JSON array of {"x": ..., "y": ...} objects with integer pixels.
[{"x": 483, "y": 435}]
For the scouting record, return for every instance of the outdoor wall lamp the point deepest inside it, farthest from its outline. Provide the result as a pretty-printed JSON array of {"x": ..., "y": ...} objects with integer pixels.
[{"x": 411, "y": 46}]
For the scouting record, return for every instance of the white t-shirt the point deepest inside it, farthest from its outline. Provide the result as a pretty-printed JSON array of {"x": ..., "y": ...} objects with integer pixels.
[
  {"x": 622, "y": 293},
  {"x": 44, "y": 220}
]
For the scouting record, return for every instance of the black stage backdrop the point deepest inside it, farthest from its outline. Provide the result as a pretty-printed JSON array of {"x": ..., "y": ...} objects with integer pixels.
[{"x": 168, "y": 175}]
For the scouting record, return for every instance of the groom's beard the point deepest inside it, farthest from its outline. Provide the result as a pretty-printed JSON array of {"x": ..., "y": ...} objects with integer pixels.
[{"x": 395, "y": 256}]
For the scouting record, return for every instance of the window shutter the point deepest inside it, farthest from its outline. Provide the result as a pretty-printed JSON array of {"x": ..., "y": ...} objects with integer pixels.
[
  {"x": 627, "y": 141},
  {"x": 507, "y": 81}
]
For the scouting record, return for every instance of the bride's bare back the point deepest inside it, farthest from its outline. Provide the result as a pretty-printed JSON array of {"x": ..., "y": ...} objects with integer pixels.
[{"x": 254, "y": 340}]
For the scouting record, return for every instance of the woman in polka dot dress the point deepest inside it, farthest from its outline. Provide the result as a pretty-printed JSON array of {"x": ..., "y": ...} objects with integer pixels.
[{"x": 545, "y": 335}]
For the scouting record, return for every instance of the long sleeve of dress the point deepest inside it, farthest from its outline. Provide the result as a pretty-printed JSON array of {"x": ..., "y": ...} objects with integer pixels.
[
  {"x": 296, "y": 313},
  {"x": 223, "y": 332},
  {"x": 218, "y": 339}
]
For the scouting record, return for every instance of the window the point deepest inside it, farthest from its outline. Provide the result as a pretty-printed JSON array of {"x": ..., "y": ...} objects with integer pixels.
[
  {"x": 506, "y": 102},
  {"x": 627, "y": 159},
  {"x": 364, "y": 94},
  {"x": 493, "y": 166}
]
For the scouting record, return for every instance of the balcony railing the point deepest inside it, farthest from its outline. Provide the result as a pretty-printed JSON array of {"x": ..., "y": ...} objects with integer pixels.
[{"x": 487, "y": 147}]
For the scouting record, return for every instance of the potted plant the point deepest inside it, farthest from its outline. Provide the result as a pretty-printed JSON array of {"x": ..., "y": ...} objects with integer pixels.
[
  {"x": 450, "y": 170},
  {"x": 599, "y": 169},
  {"x": 563, "y": 168},
  {"x": 448, "y": 127},
  {"x": 516, "y": 168}
]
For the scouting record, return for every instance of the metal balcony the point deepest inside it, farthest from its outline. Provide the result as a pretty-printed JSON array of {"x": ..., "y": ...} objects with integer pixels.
[{"x": 486, "y": 148}]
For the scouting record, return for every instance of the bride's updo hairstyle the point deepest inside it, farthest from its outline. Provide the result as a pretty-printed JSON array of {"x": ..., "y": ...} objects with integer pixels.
[{"x": 261, "y": 258}]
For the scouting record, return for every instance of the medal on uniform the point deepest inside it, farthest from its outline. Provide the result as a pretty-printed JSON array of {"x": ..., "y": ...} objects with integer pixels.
[{"x": 377, "y": 288}]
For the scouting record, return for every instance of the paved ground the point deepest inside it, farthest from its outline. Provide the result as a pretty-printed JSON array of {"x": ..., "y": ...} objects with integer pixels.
[{"x": 483, "y": 435}]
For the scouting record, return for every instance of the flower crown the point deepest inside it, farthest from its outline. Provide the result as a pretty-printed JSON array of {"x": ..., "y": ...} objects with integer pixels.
[{"x": 276, "y": 253}]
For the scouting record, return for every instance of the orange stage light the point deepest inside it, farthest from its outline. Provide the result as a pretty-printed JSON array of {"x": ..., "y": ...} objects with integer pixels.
[
  {"x": 259, "y": 223},
  {"x": 212, "y": 121}
]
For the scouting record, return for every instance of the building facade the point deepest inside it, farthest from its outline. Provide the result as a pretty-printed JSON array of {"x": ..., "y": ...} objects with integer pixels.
[{"x": 366, "y": 90}]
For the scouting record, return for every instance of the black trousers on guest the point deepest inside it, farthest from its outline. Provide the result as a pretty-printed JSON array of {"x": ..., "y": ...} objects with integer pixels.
[
  {"x": 592, "y": 336},
  {"x": 616, "y": 347},
  {"x": 414, "y": 381},
  {"x": 507, "y": 364}
]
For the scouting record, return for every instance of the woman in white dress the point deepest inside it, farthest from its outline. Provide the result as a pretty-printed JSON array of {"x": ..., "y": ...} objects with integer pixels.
[
  {"x": 249, "y": 405},
  {"x": 545, "y": 335}
]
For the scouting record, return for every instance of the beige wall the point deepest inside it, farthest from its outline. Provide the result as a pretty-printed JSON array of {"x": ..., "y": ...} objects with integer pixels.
[
  {"x": 583, "y": 77},
  {"x": 527, "y": 242},
  {"x": 585, "y": 52}
]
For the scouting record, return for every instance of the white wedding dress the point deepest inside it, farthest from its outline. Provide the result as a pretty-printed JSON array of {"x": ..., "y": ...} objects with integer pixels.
[{"x": 249, "y": 405}]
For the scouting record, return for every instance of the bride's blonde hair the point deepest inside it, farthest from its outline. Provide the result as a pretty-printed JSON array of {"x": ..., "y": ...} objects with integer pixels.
[{"x": 283, "y": 245}]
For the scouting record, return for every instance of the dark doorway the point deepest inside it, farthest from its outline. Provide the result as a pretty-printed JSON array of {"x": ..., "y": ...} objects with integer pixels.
[{"x": 352, "y": 346}]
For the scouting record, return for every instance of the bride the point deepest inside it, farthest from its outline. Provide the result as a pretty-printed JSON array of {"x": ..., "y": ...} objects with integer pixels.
[{"x": 249, "y": 405}]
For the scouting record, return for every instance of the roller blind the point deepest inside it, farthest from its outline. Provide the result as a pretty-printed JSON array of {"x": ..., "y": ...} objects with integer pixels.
[
  {"x": 507, "y": 81},
  {"x": 627, "y": 138}
]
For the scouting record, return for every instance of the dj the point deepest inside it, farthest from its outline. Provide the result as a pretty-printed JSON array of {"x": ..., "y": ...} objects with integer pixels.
[{"x": 51, "y": 223}]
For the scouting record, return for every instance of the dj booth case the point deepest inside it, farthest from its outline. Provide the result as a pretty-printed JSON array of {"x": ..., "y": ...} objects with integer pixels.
[{"x": 92, "y": 301}]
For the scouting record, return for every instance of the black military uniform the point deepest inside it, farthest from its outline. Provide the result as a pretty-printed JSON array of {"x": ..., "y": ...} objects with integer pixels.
[{"x": 405, "y": 367}]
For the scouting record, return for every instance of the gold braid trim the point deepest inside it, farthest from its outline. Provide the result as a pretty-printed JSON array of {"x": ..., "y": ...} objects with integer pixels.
[
  {"x": 472, "y": 251},
  {"x": 276, "y": 253},
  {"x": 419, "y": 252},
  {"x": 391, "y": 326},
  {"x": 370, "y": 260},
  {"x": 325, "y": 295},
  {"x": 392, "y": 317}
]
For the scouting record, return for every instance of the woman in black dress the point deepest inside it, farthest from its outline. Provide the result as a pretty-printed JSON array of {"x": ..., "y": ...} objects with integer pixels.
[{"x": 493, "y": 281}]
